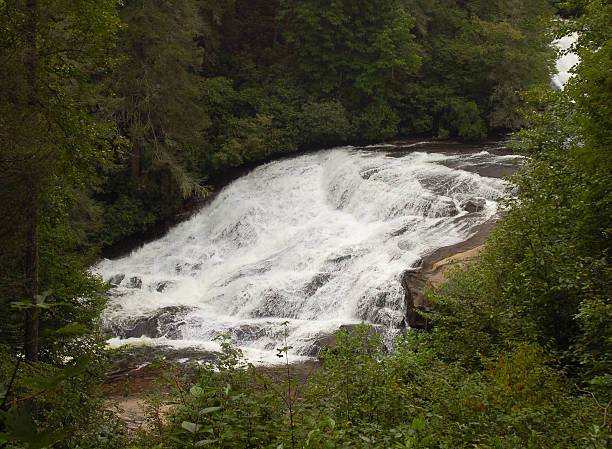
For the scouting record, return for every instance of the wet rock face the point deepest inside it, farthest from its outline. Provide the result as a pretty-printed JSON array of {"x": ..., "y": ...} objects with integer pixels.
[
  {"x": 318, "y": 281},
  {"x": 320, "y": 342},
  {"x": 413, "y": 283},
  {"x": 473, "y": 205},
  {"x": 248, "y": 332},
  {"x": 442, "y": 208},
  {"x": 382, "y": 308},
  {"x": 164, "y": 322},
  {"x": 132, "y": 359},
  {"x": 272, "y": 301}
]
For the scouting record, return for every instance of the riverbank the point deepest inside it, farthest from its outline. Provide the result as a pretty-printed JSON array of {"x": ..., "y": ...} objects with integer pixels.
[{"x": 138, "y": 396}]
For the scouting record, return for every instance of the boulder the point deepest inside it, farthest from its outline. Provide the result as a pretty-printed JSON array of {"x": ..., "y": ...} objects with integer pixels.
[
  {"x": 473, "y": 205},
  {"x": 163, "y": 322},
  {"x": 115, "y": 280},
  {"x": 444, "y": 207},
  {"x": 320, "y": 342},
  {"x": 161, "y": 286}
]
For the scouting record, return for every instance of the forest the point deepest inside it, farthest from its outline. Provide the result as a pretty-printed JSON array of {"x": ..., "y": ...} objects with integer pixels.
[{"x": 115, "y": 116}]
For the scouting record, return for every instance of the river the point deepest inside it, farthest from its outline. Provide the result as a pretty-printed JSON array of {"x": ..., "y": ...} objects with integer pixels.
[{"x": 301, "y": 246}]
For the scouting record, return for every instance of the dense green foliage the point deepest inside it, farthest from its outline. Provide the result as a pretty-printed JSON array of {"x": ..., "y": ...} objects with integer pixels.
[
  {"x": 364, "y": 397},
  {"x": 111, "y": 115},
  {"x": 58, "y": 407},
  {"x": 520, "y": 352},
  {"x": 212, "y": 85}
]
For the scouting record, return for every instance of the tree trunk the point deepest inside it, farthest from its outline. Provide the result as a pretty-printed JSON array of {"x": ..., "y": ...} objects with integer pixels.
[
  {"x": 275, "y": 39},
  {"x": 30, "y": 343},
  {"x": 31, "y": 288},
  {"x": 286, "y": 28},
  {"x": 135, "y": 160}
]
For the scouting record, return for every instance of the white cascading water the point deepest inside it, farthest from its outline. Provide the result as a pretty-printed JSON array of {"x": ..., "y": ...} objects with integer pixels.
[
  {"x": 566, "y": 61},
  {"x": 315, "y": 242}
]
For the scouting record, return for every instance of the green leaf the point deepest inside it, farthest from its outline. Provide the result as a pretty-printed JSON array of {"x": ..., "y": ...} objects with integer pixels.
[
  {"x": 190, "y": 427},
  {"x": 196, "y": 391},
  {"x": 208, "y": 410},
  {"x": 332, "y": 423}
]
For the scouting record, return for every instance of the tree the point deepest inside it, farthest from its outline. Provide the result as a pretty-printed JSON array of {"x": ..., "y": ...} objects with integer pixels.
[
  {"x": 545, "y": 273},
  {"x": 158, "y": 86},
  {"x": 477, "y": 56},
  {"x": 52, "y": 54},
  {"x": 352, "y": 50}
]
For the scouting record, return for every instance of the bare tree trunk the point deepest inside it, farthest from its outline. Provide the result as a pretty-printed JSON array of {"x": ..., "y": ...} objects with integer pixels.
[{"x": 30, "y": 343}]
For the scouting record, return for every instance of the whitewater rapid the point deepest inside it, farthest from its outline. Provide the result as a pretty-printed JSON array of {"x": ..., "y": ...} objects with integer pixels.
[{"x": 301, "y": 246}]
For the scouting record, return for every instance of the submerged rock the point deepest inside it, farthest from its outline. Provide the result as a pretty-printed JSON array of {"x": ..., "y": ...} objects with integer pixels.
[
  {"x": 135, "y": 282},
  {"x": 443, "y": 207},
  {"x": 248, "y": 332},
  {"x": 367, "y": 174}
]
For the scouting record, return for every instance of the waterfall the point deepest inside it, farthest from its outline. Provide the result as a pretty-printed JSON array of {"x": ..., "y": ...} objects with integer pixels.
[
  {"x": 301, "y": 246},
  {"x": 566, "y": 60}
]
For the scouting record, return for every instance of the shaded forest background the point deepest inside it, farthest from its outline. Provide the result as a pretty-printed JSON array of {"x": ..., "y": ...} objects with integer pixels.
[{"x": 113, "y": 115}]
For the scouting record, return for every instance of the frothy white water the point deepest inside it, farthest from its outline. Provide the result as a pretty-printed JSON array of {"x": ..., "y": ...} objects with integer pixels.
[
  {"x": 566, "y": 61},
  {"x": 315, "y": 242}
]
